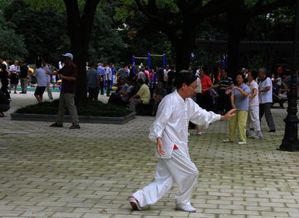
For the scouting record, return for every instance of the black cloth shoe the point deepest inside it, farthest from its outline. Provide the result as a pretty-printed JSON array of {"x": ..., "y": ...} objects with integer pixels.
[
  {"x": 272, "y": 130},
  {"x": 75, "y": 126},
  {"x": 56, "y": 125}
]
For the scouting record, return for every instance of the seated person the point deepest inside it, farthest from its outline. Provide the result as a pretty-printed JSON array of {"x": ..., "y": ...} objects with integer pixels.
[
  {"x": 4, "y": 103},
  {"x": 122, "y": 94},
  {"x": 142, "y": 96},
  {"x": 159, "y": 93}
]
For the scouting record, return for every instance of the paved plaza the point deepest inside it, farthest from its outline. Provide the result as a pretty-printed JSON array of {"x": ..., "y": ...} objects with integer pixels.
[{"x": 46, "y": 172}]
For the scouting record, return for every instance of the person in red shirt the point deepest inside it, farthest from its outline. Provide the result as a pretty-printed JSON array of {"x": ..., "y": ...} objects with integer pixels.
[{"x": 206, "y": 85}]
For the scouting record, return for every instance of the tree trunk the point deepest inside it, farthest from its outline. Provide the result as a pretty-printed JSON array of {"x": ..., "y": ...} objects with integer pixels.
[
  {"x": 79, "y": 29},
  {"x": 236, "y": 31},
  {"x": 237, "y": 21},
  {"x": 183, "y": 45},
  {"x": 182, "y": 56}
]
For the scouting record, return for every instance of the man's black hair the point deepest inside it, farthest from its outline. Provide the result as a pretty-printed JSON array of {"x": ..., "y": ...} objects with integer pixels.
[
  {"x": 184, "y": 76},
  {"x": 3, "y": 67}
]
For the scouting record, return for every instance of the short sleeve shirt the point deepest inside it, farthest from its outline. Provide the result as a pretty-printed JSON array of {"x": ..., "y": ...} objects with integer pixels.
[
  {"x": 241, "y": 102},
  {"x": 225, "y": 82},
  {"x": 255, "y": 100},
  {"x": 92, "y": 78},
  {"x": 206, "y": 83},
  {"x": 144, "y": 94},
  {"x": 265, "y": 97},
  {"x": 41, "y": 77}
]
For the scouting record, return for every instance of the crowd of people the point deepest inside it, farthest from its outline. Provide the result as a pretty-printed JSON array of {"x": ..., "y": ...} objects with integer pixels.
[
  {"x": 241, "y": 97},
  {"x": 18, "y": 73},
  {"x": 252, "y": 93},
  {"x": 137, "y": 86}
]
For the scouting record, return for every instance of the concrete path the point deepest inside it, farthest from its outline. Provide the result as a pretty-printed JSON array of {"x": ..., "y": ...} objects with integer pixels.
[{"x": 46, "y": 172}]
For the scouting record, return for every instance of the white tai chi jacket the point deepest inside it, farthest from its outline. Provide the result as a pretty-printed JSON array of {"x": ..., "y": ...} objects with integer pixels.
[{"x": 172, "y": 122}]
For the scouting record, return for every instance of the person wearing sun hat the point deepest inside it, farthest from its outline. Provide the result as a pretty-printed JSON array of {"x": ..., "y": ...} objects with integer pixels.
[{"x": 68, "y": 75}]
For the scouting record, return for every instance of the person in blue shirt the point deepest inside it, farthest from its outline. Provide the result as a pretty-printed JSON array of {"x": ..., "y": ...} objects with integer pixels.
[
  {"x": 102, "y": 72},
  {"x": 240, "y": 102}
]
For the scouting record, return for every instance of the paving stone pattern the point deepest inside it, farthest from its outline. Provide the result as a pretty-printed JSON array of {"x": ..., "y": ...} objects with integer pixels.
[{"x": 90, "y": 172}]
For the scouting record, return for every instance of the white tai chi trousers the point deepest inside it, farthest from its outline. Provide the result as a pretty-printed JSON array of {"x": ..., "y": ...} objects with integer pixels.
[
  {"x": 179, "y": 169},
  {"x": 254, "y": 117}
]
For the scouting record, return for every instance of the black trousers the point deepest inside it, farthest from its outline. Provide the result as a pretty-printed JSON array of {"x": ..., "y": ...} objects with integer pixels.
[
  {"x": 4, "y": 89},
  {"x": 266, "y": 109},
  {"x": 224, "y": 104},
  {"x": 93, "y": 94}
]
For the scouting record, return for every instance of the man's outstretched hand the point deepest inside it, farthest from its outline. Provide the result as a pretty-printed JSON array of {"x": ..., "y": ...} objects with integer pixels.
[{"x": 229, "y": 114}]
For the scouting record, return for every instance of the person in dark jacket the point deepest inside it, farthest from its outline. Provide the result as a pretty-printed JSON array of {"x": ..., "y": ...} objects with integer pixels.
[
  {"x": 4, "y": 103},
  {"x": 4, "y": 80}
]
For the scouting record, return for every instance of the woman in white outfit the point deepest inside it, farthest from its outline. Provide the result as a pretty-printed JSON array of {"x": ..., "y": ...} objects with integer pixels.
[
  {"x": 170, "y": 132},
  {"x": 254, "y": 116}
]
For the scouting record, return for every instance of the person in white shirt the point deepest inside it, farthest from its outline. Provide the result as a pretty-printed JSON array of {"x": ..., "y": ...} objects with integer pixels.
[
  {"x": 141, "y": 75},
  {"x": 165, "y": 74},
  {"x": 254, "y": 117},
  {"x": 49, "y": 73},
  {"x": 265, "y": 98},
  {"x": 14, "y": 70},
  {"x": 170, "y": 132},
  {"x": 42, "y": 81}
]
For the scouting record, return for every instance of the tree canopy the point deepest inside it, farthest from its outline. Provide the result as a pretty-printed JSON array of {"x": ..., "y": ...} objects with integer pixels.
[
  {"x": 126, "y": 27},
  {"x": 12, "y": 45}
]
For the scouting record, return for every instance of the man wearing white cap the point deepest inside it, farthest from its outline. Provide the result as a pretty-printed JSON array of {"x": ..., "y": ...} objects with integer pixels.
[{"x": 68, "y": 74}]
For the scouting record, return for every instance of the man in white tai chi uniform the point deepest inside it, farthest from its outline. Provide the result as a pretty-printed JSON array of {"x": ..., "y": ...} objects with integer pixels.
[{"x": 170, "y": 132}]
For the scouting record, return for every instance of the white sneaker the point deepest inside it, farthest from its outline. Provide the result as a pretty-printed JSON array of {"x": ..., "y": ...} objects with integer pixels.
[
  {"x": 134, "y": 203},
  {"x": 227, "y": 140},
  {"x": 242, "y": 143},
  {"x": 186, "y": 207}
]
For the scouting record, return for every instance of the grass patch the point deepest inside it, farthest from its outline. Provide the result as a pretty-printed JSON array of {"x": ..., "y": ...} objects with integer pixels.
[{"x": 90, "y": 109}]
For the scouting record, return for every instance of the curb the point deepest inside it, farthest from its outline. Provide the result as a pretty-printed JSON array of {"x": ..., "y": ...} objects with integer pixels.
[{"x": 67, "y": 118}]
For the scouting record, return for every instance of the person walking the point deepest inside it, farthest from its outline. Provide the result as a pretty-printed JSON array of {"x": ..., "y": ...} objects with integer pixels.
[
  {"x": 42, "y": 81},
  {"x": 265, "y": 97},
  {"x": 170, "y": 132},
  {"x": 68, "y": 74},
  {"x": 239, "y": 101}
]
